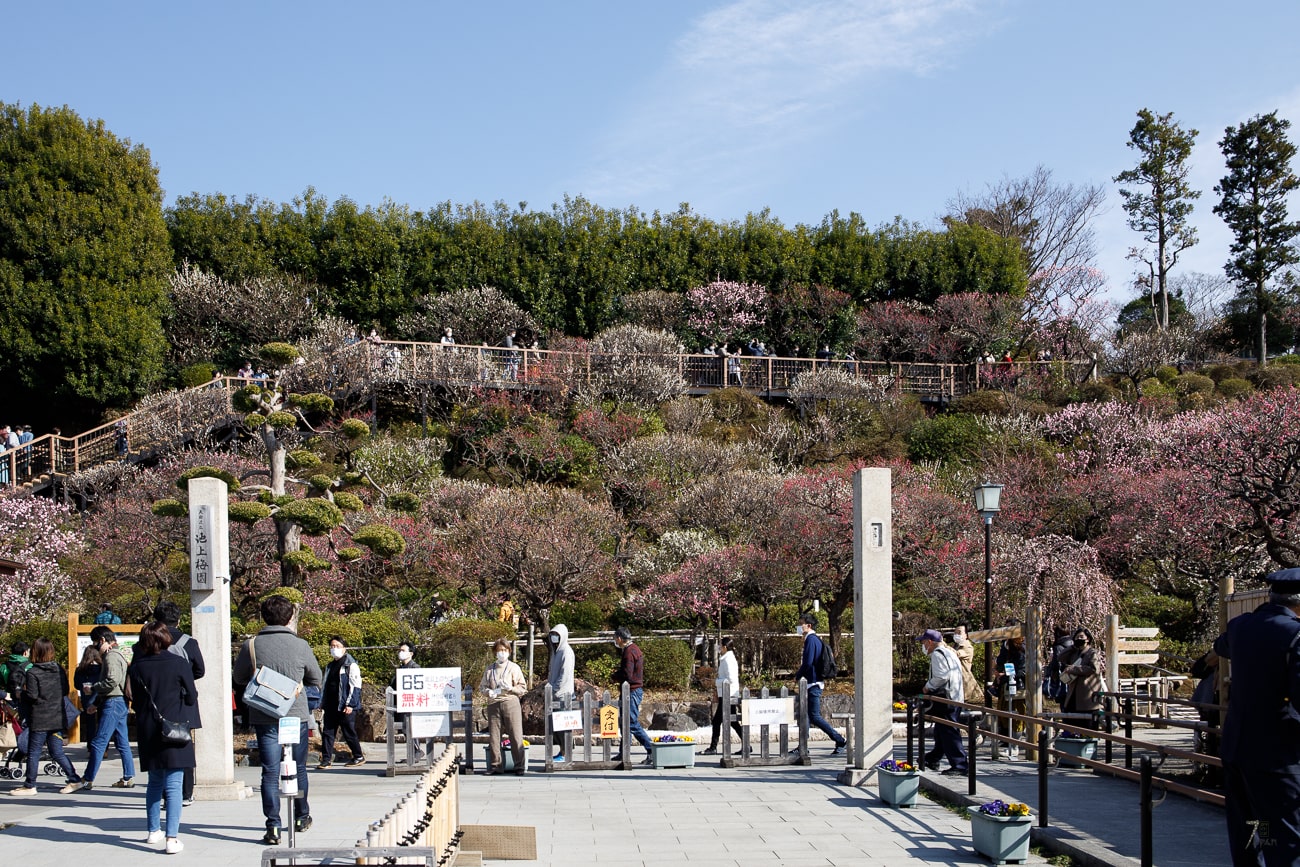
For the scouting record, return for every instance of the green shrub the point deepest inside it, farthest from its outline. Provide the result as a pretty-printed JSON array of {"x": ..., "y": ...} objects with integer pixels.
[
  {"x": 403, "y": 501},
  {"x": 1152, "y": 387},
  {"x": 281, "y": 420},
  {"x": 982, "y": 402},
  {"x": 382, "y": 540},
  {"x": 382, "y": 631},
  {"x": 169, "y": 508},
  {"x": 355, "y": 429},
  {"x": 668, "y": 663},
  {"x": 348, "y": 502},
  {"x": 1273, "y": 376},
  {"x": 197, "y": 374},
  {"x": 206, "y": 472},
  {"x": 1097, "y": 392},
  {"x": 944, "y": 438},
  {"x": 784, "y": 617},
  {"x": 595, "y": 662},
  {"x": 315, "y": 516},
  {"x": 1234, "y": 387},
  {"x": 302, "y": 459},
  {"x": 465, "y": 643},
  {"x": 246, "y": 399},
  {"x": 1220, "y": 372},
  {"x": 279, "y": 353},
  {"x": 56, "y": 631},
  {"x": 578, "y": 615},
  {"x": 318, "y": 404},
  {"x": 305, "y": 559},
  {"x": 1289, "y": 358},
  {"x": 1167, "y": 374},
  {"x": 320, "y": 482},
  {"x": 249, "y": 513},
  {"x": 1193, "y": 383}
]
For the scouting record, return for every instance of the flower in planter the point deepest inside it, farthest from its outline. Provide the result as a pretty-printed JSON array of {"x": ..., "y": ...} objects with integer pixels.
[
  {"x": 900, "y": 707},
  {"x": 1002, "y": 808},
  {"x": 897, "y": 767},
  {"x": 674, "y": 739}
]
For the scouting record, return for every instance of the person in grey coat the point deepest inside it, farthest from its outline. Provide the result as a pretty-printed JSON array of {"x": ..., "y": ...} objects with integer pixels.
[
  {"x": 279, "y": 649},
  {"x": 561, "y": 675}
]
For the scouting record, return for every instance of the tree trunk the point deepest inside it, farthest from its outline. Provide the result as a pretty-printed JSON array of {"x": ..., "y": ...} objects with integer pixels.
[{"x": 1263, "y": 332}]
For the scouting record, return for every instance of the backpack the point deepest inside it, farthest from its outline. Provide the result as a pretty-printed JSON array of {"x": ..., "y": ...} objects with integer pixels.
[
  {"x": 826, "y": 667},
  {"x": 178, "y": 647}
]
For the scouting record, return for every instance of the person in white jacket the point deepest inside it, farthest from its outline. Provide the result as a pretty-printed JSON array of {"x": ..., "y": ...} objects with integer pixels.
[
  {"x": 728, "y": 674},
  {"x": 561, "y": 675}
]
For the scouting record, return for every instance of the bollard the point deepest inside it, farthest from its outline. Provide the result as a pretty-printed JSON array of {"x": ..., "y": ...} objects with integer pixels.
[
  {"x": 1108, "y": 726},
  {"x": 920, "y": 731},
  {"x": 1042, "y": 778},
  {"x": 911, "y": 735},
  {"x": 1128, "y": 731},
  {"x": 1144, "y": 801},
  {"x": 972, "y": 719}
]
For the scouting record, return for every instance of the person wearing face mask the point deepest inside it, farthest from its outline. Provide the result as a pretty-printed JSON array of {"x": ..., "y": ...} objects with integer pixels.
[
  {"x": 406, "y": 659},
  {"x": 341, "y": 699},
  {"x": 1084, "y": 664},
  {"x": 561, "y": 675},
  {"x": 111, "y": 689},
  {"x": 809, "y": 665},
  {"x": 944, "y": 682},
  {"x": 503, "y": 682}
]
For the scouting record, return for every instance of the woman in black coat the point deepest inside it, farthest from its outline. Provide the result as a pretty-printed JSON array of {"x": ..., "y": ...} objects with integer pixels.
[
  {"x": 162, "y": 686},
  {"x": 44, "y": 689}
]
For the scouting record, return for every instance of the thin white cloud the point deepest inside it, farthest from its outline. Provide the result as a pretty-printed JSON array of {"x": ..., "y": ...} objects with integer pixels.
[{"x": 751, "y": 80}]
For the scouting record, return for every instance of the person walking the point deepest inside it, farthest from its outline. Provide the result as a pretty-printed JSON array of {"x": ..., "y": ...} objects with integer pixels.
[
  {"x": 560, "y": 676},
  {"x": 944, "y": 682},
  {"x": 341, "y": 699},
  {"x": 282, "y": 651},
  {"x": 503, "y": 682},
  {"x": 12, "y": 671},
  {"x": 729, "y": 676},
  {"x": 162, "y": 688},
  {"x": 631, "y": 670},
  {"x": 810, "y": 670},
  {"x": 44, "y": 691},
  {"x": 1260, "y": 748},
  {"x": 110, "y": 690}
]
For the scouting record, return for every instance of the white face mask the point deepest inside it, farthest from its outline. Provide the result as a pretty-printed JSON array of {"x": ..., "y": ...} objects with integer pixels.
[
  {"x": 336, "y": 652},
  {"x": 404, "y": 655},
  {"x": 502, "y": 656},
  {"x": 555, "y": 639}
]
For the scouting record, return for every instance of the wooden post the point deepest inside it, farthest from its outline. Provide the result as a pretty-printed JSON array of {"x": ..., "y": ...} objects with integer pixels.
[
  {"x": 1033, "y": 676},
  {"x": 1112, "y": 652}
]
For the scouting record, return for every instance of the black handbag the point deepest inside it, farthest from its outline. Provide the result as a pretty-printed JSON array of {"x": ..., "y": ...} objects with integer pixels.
[{"x": 173, "y": 734}]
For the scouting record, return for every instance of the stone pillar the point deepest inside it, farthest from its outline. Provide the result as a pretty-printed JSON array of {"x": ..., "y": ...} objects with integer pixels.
[
  {"x": 873, "y": 623},
  {"x": 209, "y": 545}
]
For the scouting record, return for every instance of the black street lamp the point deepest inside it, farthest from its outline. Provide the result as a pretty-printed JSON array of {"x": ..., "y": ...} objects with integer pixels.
[{"x": 988, "y": 502}]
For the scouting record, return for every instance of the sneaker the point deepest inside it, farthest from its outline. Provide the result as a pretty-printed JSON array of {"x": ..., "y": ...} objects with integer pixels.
[
  {"x": 519, "y": 772},
  {"x": 174, "y": 846},
  {"x": 558, "y": 758},
  {"x": 187, "y": 802},
  {"x": 954, "y": 772},
  {"x": 302, "y": 823},
  {"x": 124, "y": 783},
  {"x": 356, "y": 762},
  {"x": 23, "y": 791},
  {"x": 794, "y": 754},
  {"x": 324, "y": 766},
  {"x": 932, "y": 764},
  {"x": 838, "y": 751},
  {"x": 155, "y": 837},
  {"x": 711, "y": 751},
  {"x": 271, "y": 837},
  {"x": 74, "y": 786},
  {"x": 649, "y": 759}
]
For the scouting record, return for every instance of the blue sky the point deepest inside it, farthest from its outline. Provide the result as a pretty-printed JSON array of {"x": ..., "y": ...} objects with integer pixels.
[{"x": 884, "y": 107}]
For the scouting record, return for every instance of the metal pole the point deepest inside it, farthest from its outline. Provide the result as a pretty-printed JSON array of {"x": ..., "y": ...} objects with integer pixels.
[
  {"x": 972, "y": 718},
  {"x": 911, "y": 735},
  {"x": 988, "y": 608},
  {"x": 1128, "y": 731},
  {"x": 1042, "y": 778},
  {"x": 1144, "y": 803}
]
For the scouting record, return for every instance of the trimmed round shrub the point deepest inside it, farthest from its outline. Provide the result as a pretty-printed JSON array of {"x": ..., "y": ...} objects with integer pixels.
[
  {"x": 945, "y": 437},
  {"x": 247, "y": 398},
  {"x": 668, "y": 663},
  {"x": 1152, "y": 387},
  {"x": 1097, "y": 392},
  {"x": 169, "y": 509},
  {"x": 254, "y": 419},
  {"x": 321, "y": 482},
  {"x": 1167, "y": 373},
  {"x": 315, "y": 516},
  {"x": 198, "y": 374},
  {"x": 302, "y": 459},
  {"x": 403, "y": 501},
  {"x": 983, "y": 402},
  {"x": 1272, "y": 376},
  {"x": 249, "y": 513},
  {"x": 1234, "y": 388},
  {"x": 348, "y": 502},
  {"x": 293, "y": 594},
  {"x": 279, "y": 353},
  {"x": 383, "y": 541},
  {"x": 1193, "y": 383},
  {"x": 355, "y": 429},
  {"x": 205, "y": 472},
  {"x": 313, "y": 403},
  {"x": 306, "y": 559},
  {"x": 350, "y": 553},
  {"x": 281, "y": 420}
]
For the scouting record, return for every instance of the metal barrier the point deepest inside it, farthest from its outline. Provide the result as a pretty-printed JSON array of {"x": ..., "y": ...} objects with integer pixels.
[
  {"x": 418, "y": 761},
  {"x": 591, "y": 732},
  {"x": 784, "y": 755}
]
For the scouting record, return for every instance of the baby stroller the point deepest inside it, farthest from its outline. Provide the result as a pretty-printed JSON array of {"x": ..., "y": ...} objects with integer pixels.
[{"x": 15, "y": 758}]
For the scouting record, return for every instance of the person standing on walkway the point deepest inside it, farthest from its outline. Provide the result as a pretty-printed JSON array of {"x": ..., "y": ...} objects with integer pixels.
[
  {"x": 89, "y": 670},
  {"x": 728, "y": 675},
  {"x": 182, "y": 645},
  {"x": 631, "y": 670},
  {"x": 162, "y": 688},
  {"x": 44, "y": 691},
  {"x": 503, "y": 682},
  {"x": 1261, "y": 734},
  {"x": 1084, "y": 664},
  {"x": 279, "y": 649},
  {"x": 810, "y": 670},
  {"x": 560, "y": 676},
  {"x": 111, "y": 690},
  {"x": 944, "y": 682},
  {"x": 341, "y": 700},
  {"x": 965, "y": 650}
]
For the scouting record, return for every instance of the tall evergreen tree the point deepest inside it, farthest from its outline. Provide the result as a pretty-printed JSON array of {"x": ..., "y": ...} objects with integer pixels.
[
  {"x": 1160, "y": 200},
  {"x": 84, "y": 259},
  {"x": 1253, "y": 204}
]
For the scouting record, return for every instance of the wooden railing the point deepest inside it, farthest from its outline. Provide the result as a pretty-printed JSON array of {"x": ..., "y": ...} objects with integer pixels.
[{"x": 172, "y": 419}]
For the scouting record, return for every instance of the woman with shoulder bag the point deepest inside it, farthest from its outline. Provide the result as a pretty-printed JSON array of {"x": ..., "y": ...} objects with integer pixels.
[
  {"x": 44, "y": 692},
  {"x": 164, "y": 697}
]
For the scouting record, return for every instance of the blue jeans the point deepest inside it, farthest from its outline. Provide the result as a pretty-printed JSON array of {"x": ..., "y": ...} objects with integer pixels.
[
  {"x": 164, "y": 781},
  {"x": 36, "y": 741},
  {"x": 634, "y": 723},
  {"x": 112, "y": 727},
  {"x": 269, "y": 751},
  {"x": 815, "y": 715}
]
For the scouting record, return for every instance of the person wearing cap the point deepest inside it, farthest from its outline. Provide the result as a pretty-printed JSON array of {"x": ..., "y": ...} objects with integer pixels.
[
  {"x": 1261, "y": 733},
  {"x": 944, "y": 682},
  {"x": 631, "y": 670}
]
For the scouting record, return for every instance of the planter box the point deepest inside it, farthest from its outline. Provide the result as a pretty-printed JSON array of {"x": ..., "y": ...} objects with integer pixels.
[
  {"x": 1001, "y": 839},
  {"x": 898, "y": 788},
  {"x": 507, "y": 758},
  {"x": 673, "y": 755},
  {"x": 1084, "y": 748}
]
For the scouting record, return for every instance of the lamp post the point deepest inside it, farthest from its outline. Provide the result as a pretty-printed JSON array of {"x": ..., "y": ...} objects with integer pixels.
[{"x": 988, "y": 502}]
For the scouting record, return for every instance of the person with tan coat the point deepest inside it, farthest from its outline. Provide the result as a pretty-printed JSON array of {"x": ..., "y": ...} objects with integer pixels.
[
  {"x": 1084, "y": 664},
  {"x": 503, "y": 683},
  {"x": 965, "y": 651}
]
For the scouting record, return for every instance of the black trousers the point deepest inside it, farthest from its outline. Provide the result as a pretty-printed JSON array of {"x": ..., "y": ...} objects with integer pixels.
[
  {"x": 335, "y": 720},
  {"x": 717, "y": 725},
  {"x": 947, "y": 740},
  {"x": 1267, "y": 796}
]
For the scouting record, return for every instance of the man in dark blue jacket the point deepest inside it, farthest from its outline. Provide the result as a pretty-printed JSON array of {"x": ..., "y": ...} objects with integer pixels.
[
  {"x": 813, "y": 648},
  {"x": 1261, "y": 734},
  {"x": 341, "y": 699}
]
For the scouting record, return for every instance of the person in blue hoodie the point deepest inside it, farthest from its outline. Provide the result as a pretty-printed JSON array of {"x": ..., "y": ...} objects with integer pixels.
[{"x": 341, "y": 699}]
